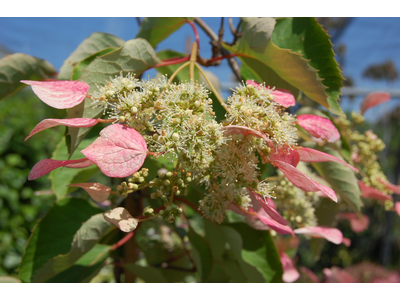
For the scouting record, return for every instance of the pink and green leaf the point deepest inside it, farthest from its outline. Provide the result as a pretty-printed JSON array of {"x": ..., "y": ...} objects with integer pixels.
[
  {"x": 371, "y": 193},
  {"x": 319, "y": 127},
  {"x": 119, "y": 151},
  {"x": 75, "y": 122},
  {"x": 373, "y": 99},
  {"x": 45, "y": 166},
  {"x": 59, "y": 94},
  {"x": 99, "y": 192},
  {"x": 122, "y": 219},
  {"x": 332, "y": 235},
  {"x": 302, "y": 181}
]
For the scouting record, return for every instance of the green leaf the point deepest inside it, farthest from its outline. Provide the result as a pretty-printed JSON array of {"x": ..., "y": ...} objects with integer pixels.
[
  {"x": 155, "y": 30},
  {"x": 85, "y": 268},
  {"x": 96, "y": 42},
  {"x": 53, "y": 235},
  {"x": 202, "y": 254},
  {"x": 77, "y": 71},
  {"x": 136, "y": 56},
  {"x": 259, "y": 251},
  {"x": 284, "y": 68},
  {"x": 62, "y": 177},
  {"x": 306, "y": 37},
  {"x": 148, "y": 274},
  {"x": 235, "y": 253},
  {"x": 216, "y": 239},
  {"x": 342, "y": 179},
  {"x": 83, "y": 241},
  {"x": 17, "y": 67}
]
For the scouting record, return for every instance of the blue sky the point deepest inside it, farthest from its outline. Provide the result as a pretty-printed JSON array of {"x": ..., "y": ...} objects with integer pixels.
[{"x": 368, "y": 41}]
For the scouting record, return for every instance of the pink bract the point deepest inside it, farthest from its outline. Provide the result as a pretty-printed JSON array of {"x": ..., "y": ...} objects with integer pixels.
[
  {"x": 236, "y": 129},
  {"x": 302, "y": 181},
  {"x": 356, "y": 224},
  {"x": 286, "y": 155},
  {"x": 272, "y": 224},
  {"x": 394, "y": 188},
  {"x": 281, "y": 96},
  {"x": 310, "y": 274},
  {"x": 59, "y": 94},
  {"x": 346, "y": 242},
  {"x": 373, "y": 99},
  {"x": 119, "y": 151},
  {"x": 319, "y": 127},
  {"x": 331, "y": 234},
  {"x": 75, "y": 122},
  {"x": 47, "y": 165},
  {"x": 272, "y": 212},
  {"x": 312, "y": 155},
  {"x": 371, "y": 193},
  {"x": 397, "y": 207},
  {"x": 290, "y": 273},
  {"x": 99, "y": 192}
]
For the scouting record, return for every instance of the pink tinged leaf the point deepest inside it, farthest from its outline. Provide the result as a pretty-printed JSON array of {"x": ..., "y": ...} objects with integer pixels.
[
  {"x": 319, "y": 127},
  {"x": 333, "y": 235},
  {"x": 80, "y": 163},
  {"x": 302, "y": 181},
  {"x": 371, "y": 193},
  {"x": 337, "y": 275},
  {"x": 290, "y": 273},
  {"x": 272, "y": 212},
  {"x": 310, "y": 274},
  {"x": 75, "y": 122},
  {"x": 47, "y": 165},
  {"x": 289, "y": 156},
  {"x": 397, "y": 207},
  {"x": 346, "y": 242},
  {"x": 99, "y": 192},
  {"x": 373, "y": 99},
  {"x": 394, "y": 188},
  {"x": 121, "y": 218},
  {"x": 281, "y": 96},
  {"x": 312, "y": 155},
  {"x": 119, "y": 151},
  {"x": 356, "y": 224},
  {"x": 236, "y": 129},
  {"x": 271, "y": 223},
  {"x": 59, "y": 94}
]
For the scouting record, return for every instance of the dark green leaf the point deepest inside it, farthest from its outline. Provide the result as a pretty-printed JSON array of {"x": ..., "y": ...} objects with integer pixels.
[
  {"x": 235, "y": 253},
  {"x": 17, "y": 67},
  {"x": 96, "y": 42},
  {"x": 216, "y": 239},
  {"x": 155, "y": 30},
  {"x": 83, "y": 241},
  {"x": 148, "y": 274},
  {"x": 307, "y": 38},
  {"x": 53, "y": 235},
  {"x": 62, "y": 177},
  {"x": 259, "y": 251},
  {"x": 202, "y": 254},
  {"x": 342, "y": 179},
  {"x": 134, "y": 57},
  {"x": 77, "y": 71},
  {"x": 84, "y": 269}
]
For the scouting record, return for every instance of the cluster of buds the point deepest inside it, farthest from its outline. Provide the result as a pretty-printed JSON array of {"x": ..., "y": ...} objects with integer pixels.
[{"x": 136, "y": 182}]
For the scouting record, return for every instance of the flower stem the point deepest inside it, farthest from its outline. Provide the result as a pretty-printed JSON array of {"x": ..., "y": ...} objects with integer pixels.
[
  {"x": 212, "y": 88},
  {"x": 193, "y": 56},
  {"x": 177, "y": 71}
]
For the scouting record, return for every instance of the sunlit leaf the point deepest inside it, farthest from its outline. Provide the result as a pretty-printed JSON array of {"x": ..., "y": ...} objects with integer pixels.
[
  {"x": 120, "y": 217},
  {"x": 319, "y": 127},
  {"x": 96, "y": 42},
  {"x": 119, "y": 151},
  {"x": 97, "y": 191}
]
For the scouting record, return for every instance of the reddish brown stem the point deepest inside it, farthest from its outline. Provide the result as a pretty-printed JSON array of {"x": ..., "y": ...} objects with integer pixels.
[
  {"x": 196, "y": 34},
  {"x": 122, "y": 241},
  {"x": 172, "y": 61},
  {"x": 209, "y": 61},
  {"x": 188, "y": 203}
]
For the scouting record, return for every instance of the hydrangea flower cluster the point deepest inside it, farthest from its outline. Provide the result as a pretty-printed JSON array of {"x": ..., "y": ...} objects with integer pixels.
[{"x": 177, "y": 121}]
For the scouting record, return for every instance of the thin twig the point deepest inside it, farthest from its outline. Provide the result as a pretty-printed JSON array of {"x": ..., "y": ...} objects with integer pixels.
[
  {"x": 232, "y": 61},
  {"x": 231, "y": 26},
  {"x": 139, "y": 21}
]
